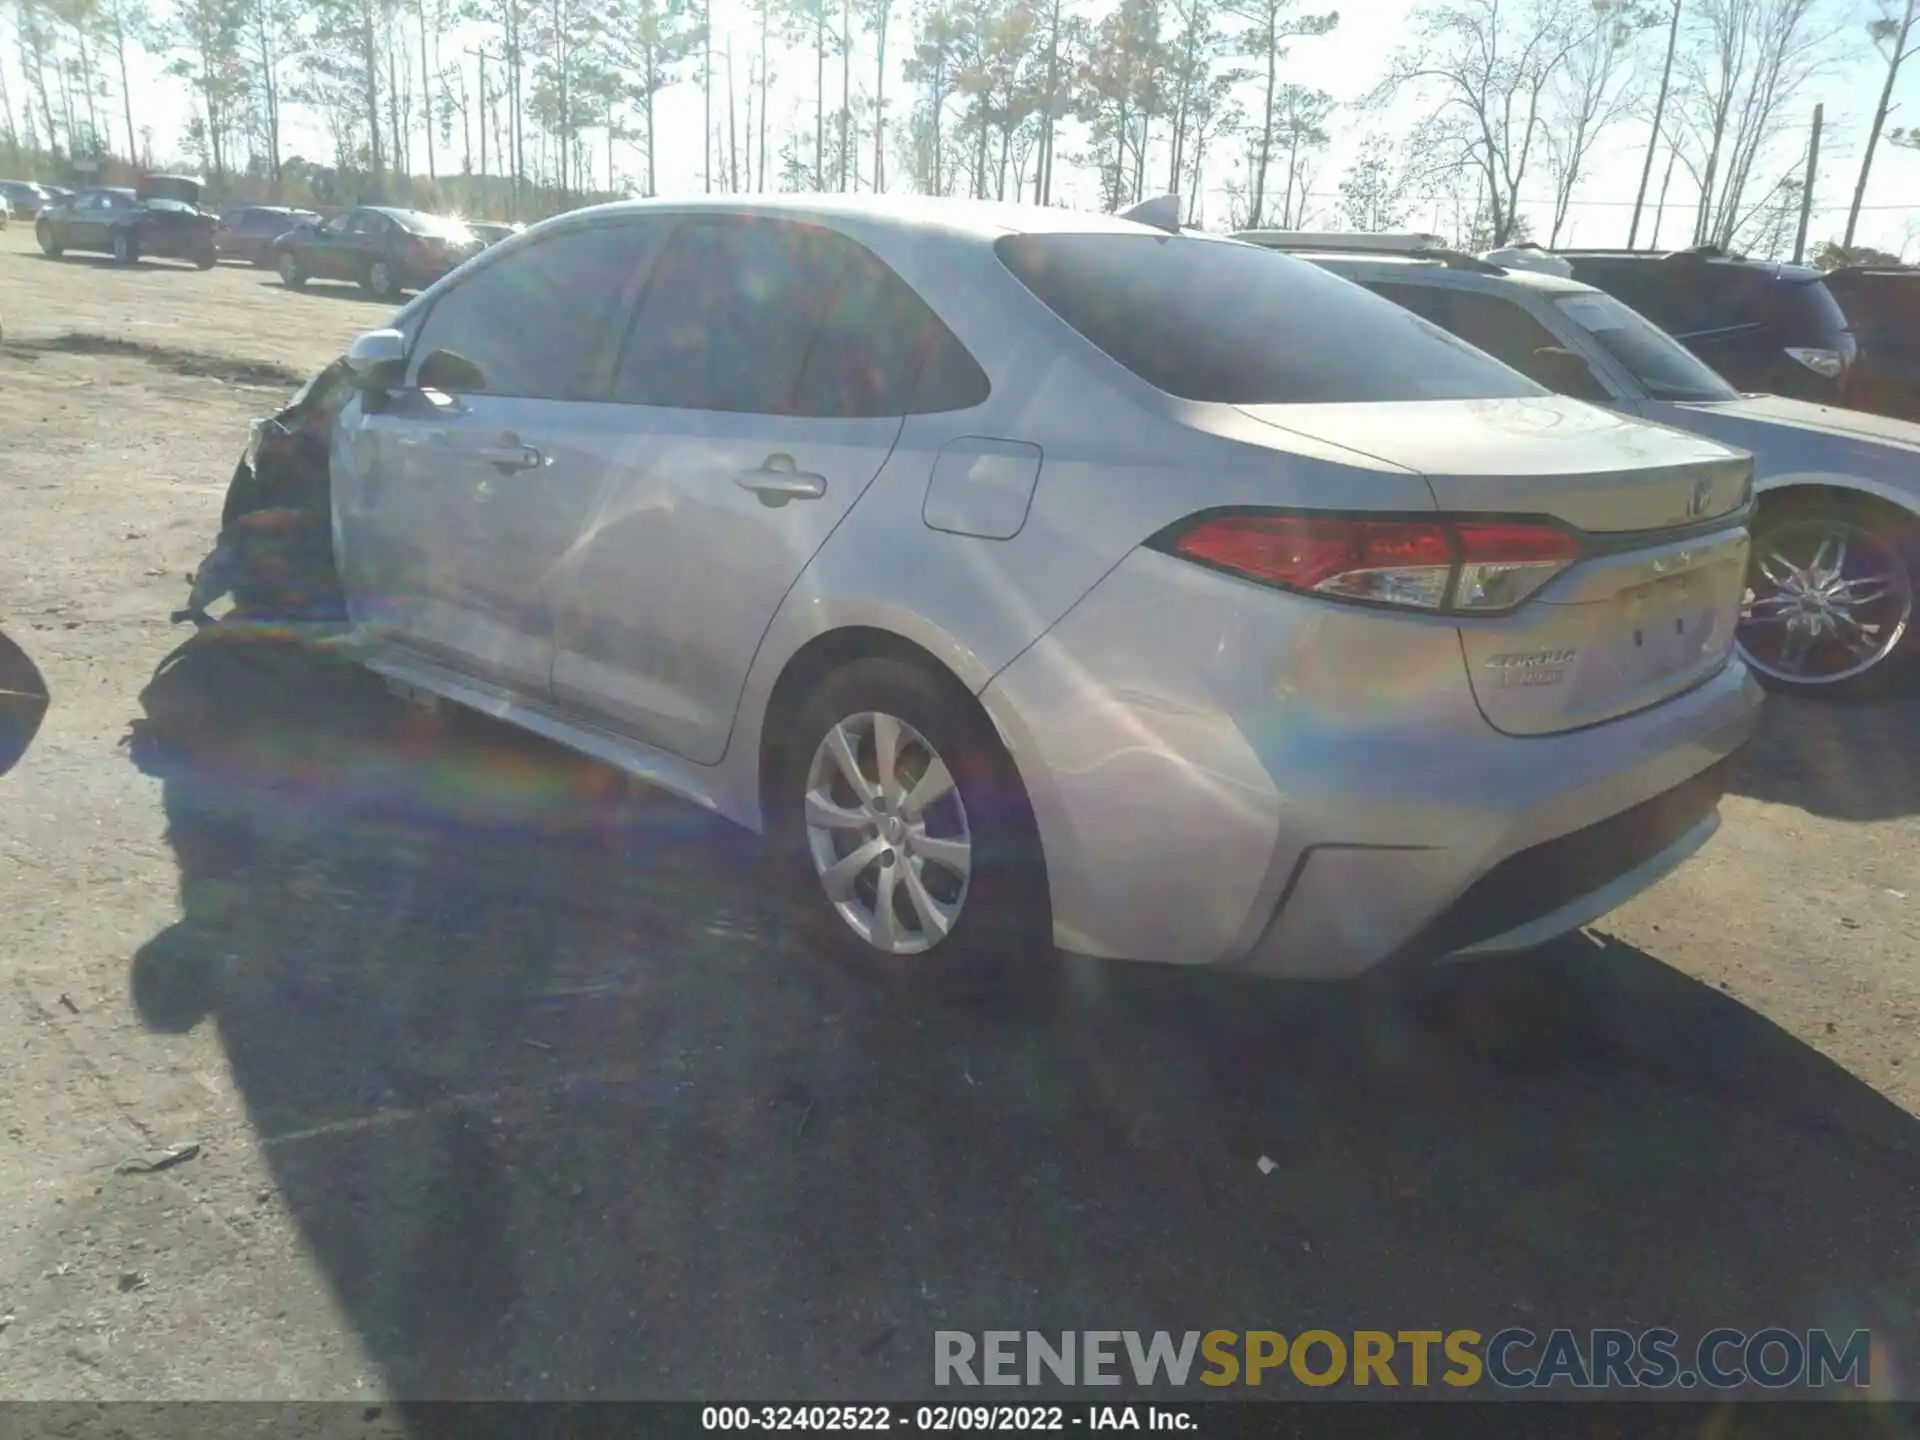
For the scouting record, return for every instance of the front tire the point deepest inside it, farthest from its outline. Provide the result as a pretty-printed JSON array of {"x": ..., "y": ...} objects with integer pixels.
[
  {"x": 1831, "y": 596},
  {"x": 905, "y": 835},
  {"x": 291, "y": 275},
  {"x": 126, "y": 250},
  {"x": 378, "y": 281},
  {"x": 206, "y": 259},
  {"x": 49, "y": 246}
]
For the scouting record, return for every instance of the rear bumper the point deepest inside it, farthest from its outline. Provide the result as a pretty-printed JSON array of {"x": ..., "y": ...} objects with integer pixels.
[{"x": 1227, "y": 775}]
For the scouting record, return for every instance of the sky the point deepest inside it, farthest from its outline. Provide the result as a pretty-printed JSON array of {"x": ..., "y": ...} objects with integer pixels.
[{"x": 1348, "y": 63}]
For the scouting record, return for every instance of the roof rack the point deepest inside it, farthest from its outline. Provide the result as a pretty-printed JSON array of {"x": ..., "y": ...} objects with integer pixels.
[{"x": 1416, "y": 245}]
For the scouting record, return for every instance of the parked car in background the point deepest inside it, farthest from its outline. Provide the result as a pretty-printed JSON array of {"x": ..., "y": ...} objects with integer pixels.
[
  {"x": 58, "y": 192},
  {"x": 1313, "y": 645},
  {"x": 1766, "y": 328},
  {"x": 160, "y": 217},
  {"x": 247, "y": 232},
  {"x": 1829, "y": 606},
  {"x": 492, "y": 232},
  {"x": 1882, "y": 304},
  {"x": 384, "y": 249},
  {"x": 24, "y": 198},
  {"x": 6, "y": 212}
]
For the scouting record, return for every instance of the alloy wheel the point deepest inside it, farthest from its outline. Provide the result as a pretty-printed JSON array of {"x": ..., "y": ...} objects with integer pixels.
[
  {"x": 380, "y": 279},
  {"x": 888, "y": 833},
  {"x": 1827, "y": 599}
]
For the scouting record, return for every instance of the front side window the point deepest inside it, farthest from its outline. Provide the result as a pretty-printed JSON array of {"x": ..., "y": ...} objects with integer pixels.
[
  {"x": 1238, "y": 325},
  {"x": 537, "y": 323},
  {"x": 777, "y": 318},
  {"x": 1665, "y": 367}
]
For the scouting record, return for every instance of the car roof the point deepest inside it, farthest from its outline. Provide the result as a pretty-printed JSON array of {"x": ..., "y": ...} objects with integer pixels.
[
  {"x": 1774, "y": 269},
  {"x": 1408, "y": 267},
  {"x": 983, "y": 220}
]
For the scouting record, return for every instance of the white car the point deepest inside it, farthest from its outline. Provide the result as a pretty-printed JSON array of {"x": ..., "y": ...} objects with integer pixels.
[{"x": 1836, "y": 541}]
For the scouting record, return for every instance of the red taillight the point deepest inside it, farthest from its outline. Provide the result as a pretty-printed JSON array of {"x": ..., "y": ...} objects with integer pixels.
[{"x": 1475, "y": 566}]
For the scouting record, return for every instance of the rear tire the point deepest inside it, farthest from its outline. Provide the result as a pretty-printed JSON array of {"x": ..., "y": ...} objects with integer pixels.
[
  {"x": 49, "y": 246},
  {"x": 378, "y": 281},
  {"x": 126, "y": 249},
  {"x": 1869, "y": 607},
  {"x": 291, "y": 275},
  {"x": 951, "y": 881}
]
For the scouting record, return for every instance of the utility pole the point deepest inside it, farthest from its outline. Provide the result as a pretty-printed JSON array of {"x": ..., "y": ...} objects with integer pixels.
[
  {"x": 1806, "y": 189},
  {"x": 481, "y": 55},
  {"x": 1659, "y": 113}
]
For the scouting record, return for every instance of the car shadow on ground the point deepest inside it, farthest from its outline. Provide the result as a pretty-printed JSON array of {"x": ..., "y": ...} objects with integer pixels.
[
  {"x": 146, "y": 264},
  {"x": 562, "y": 1109},
  {"x": 1844, "y": 760}
]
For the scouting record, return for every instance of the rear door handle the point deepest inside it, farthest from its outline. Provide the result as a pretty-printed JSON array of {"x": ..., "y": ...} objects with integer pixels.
[
  {"x": 777, "y": 481},
  {"x": 508, "y": 456}
]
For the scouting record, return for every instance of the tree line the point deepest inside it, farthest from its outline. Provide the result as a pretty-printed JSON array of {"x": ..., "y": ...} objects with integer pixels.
[{"x": 521, "y": 107}]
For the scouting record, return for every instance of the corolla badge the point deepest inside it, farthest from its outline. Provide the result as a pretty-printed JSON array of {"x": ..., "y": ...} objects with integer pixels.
[{"x": 1532, "y": 667}]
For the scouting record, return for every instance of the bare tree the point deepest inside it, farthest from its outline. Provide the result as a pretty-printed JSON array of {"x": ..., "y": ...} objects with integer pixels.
[
  {"x": 1892, "y": 32},
  {"x": 1374, "y": 193},
  {"x": 1487, "y": 67},
  {"x": 1268, "y": 28},
  {"x": 1592, "y": 92},
  {"x": 1746, "y": 62}
]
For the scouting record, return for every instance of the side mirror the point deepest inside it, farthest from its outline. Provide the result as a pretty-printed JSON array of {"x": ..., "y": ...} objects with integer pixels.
[
  {"x": 23, "y": 703},
  {"x": 1567, "y": 373},
  {"x": 450, "y": 374},
  {"x": 377, "y": 360}
]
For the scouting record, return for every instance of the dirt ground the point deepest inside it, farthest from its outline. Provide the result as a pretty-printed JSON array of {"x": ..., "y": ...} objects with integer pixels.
[{"x": 503, "y": 1087}]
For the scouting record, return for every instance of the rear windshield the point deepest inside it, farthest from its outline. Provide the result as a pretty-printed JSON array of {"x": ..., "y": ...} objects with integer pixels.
[
  {"x": 1808, "y": 315},
  {"x": 1237, "y": 325},
  {"x": 439, "y": 226}
]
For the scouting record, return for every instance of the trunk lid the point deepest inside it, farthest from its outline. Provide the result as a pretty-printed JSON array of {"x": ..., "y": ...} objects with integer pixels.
[
  {"x": 1649, "y": 609},
  {"x": 1589, "y": 468}
]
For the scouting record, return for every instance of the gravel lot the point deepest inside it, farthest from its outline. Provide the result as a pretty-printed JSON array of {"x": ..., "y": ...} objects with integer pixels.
[{"x": 504, "y": 1084}]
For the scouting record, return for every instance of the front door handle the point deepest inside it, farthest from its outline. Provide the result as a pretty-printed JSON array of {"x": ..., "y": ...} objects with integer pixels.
[
  {"x": 508, "y": 455},
  {"x": 777, "y": 481}
]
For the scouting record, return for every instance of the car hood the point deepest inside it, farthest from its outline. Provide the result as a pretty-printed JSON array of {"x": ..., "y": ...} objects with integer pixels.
[{"x": 1754, "y": 416}]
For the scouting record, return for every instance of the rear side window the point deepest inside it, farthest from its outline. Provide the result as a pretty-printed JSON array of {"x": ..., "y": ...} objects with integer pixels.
[
  {"x": 777, "y": 318},
  {"x": 1486, "y": 322},
  {"x": 1237, "y": 325}
]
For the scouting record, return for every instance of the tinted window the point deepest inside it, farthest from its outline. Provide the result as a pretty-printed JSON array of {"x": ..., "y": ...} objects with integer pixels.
[
  {"x": 1659, "y": 362},
  {"x": 538, "y": 322},
  {"x": 880, "y": 350},
  {"x": 1206, "y": 320},
  {"x": 1487, "y": 322},
  {"x": 729, "y": 316},
  {"x": 1804, "y": 312}
]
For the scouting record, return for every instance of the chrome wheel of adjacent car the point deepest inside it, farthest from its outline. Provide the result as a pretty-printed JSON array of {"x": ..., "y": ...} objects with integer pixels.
[
  {"x": 1830, "y": 599},
  {"x": 888, "y": 833}
]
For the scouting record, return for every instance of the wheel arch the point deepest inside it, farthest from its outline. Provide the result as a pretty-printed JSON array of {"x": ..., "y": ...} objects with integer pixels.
[
  {"x": 829, "y": 650},
  {"x": 1815, "y": 489}
]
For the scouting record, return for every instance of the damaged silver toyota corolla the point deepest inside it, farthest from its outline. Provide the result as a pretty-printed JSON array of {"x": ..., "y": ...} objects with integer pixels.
[{"x": 1043, "y": 578}]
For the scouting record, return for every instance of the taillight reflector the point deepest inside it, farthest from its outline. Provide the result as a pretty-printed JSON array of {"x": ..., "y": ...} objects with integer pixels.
[{"x": 1472, "y": 566}]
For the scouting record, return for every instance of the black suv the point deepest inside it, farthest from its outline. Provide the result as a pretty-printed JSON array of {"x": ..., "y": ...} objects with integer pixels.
[
  {"x": 1883, "y": 304},
  {"x": 1767, "y": 328}
]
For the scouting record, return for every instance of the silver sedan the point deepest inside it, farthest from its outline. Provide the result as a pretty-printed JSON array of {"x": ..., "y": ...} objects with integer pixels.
[{"x": 1041, "y": 578}]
